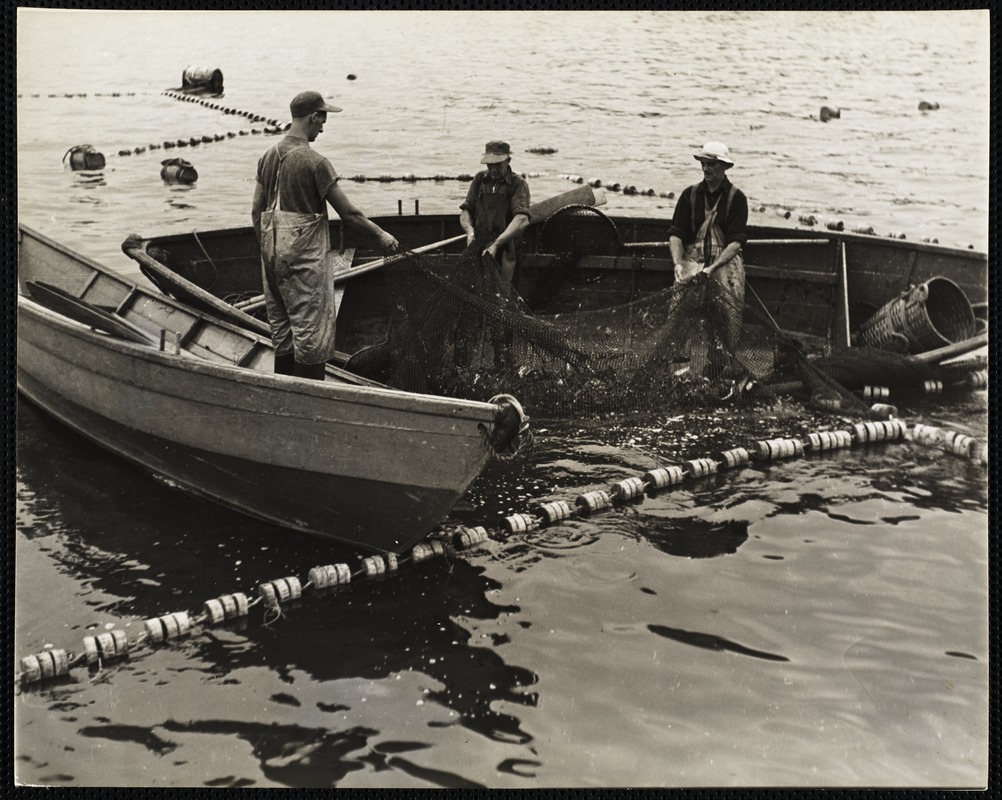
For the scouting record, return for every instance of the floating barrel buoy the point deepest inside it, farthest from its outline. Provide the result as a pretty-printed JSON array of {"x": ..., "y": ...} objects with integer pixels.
[
  {"x": 351, "y": 76},
  {"x": 784, "y": 213},
  {"x": 202, "y": 79},
  {"x": 593, "y": 501},
  {"x": 169, "y": 626},
  {"x": 106, "y": 646},
  {"x": 84, "y": 156},
  {"x": 866, "y": 230},
  {"x": 177, "y": 170},
  {"x": 44, "y": 665},
  {"x": 808, "y": 220},
  {"x": 830, "y": 112},
  {"x": 876, "y": 392},
  {"x": 835, "y": 225},
  {"x": 595, "y": 183},
  {"x": 829, "y": 440},
  {"x": 470, "y": 537},
  {"x": 932, "y": 387},
  {"x": 226, "y": 607},
  {"x": 700, "y": 467},
  {"x": 663, "y": 477},
  {"x": 926, "y": 105},
  {"x": 521, "y": 523},
  {"x": 554, "y": 511},
  {"x": 628, "y": 489},
  {"x": 736, "y": 457}
]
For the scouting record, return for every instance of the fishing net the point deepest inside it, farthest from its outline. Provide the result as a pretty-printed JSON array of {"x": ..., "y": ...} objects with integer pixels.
[{"x": 461, "y": 331}]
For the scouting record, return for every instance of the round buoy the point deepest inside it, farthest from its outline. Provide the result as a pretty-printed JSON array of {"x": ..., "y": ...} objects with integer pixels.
[
  {"x": 554, "y": 511},
  {"x": 593, "y": 501},
  {"x": 466, "y": 538},
  {"x": 977, "y": 380},
  {"x": 878, "y": 431},
  {"x": 663, "y": 477},
  {"x": 374, "y": 565},
  {"x": 961, "y": 444},
  {"x": 628, "y": 489},
  {"x": 47, "y": 664},
  {"x": 351, "y": 76},
  {"x": 328, "y": 575},
  {"x": 927, "y": 434},
  {"x": 700, "y": 467},
  {"x": 736, "y": 457},
  {"x": 169, "y": 626},
  {"x": 829, "y": 440},
  {"x": 883, "y": 411},
  {"x": 521, "y": 523},
  {"x": 876, "y": 392},
  {"x": 769, "y": 449},
  {"x": 422, "y": 552},
  {"x": 830, "y": 112}
]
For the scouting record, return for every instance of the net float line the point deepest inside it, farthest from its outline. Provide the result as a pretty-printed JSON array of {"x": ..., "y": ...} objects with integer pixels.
[
  {"x": 883, "y": 426},
  {"x": 272, "y": 596},
  {"x": 326, "y": 579},
  {"x": 975, "y": 380}
]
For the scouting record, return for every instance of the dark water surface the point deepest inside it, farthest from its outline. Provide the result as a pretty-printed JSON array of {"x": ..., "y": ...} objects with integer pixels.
[{"x": 818, "y": 622}]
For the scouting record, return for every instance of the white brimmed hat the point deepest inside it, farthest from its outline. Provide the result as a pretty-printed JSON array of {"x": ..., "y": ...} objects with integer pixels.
[{"x": 715, "y": 151}]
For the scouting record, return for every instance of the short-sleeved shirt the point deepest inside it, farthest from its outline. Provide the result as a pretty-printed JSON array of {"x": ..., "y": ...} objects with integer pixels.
[
  {"x": 492, "y": 216},
  {"x": 692, "y": 205},
  {"x": 306, "y": 176}
]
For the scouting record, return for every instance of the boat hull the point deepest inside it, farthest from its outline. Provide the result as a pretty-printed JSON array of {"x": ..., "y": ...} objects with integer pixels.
[{"x": 374, "y": 468}]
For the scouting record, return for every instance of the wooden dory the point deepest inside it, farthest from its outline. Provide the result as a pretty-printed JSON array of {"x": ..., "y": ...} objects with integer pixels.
[
  {"x": 372, "y": 467},
  {"x": 819, "y": 285}
]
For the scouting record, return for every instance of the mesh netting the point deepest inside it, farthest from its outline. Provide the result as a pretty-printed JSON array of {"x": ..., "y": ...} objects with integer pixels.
[{"x": 462, "y": 332}]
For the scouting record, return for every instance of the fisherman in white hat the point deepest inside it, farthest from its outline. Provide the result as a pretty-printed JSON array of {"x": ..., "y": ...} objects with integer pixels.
[{"x": 708, "y": 229}]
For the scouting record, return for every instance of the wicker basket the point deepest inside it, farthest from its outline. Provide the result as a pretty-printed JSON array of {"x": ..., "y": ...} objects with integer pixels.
[{"x": 931, "y": 315}]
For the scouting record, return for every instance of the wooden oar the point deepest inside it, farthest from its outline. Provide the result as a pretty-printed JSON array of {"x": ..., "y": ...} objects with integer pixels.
[{"x": 950, "y": 350}]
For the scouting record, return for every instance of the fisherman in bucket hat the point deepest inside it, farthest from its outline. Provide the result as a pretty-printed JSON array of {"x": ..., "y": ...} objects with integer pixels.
[{"x": 496, "y": 209}]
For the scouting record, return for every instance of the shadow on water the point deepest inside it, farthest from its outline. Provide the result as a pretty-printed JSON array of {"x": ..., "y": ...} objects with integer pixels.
[{"x": 150, "y": 549}]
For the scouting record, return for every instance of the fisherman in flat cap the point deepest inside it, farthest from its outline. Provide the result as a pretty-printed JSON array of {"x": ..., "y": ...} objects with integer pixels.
[
  {"x": 294, "y": 185},
  {"x": 496, "y": 209}
]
